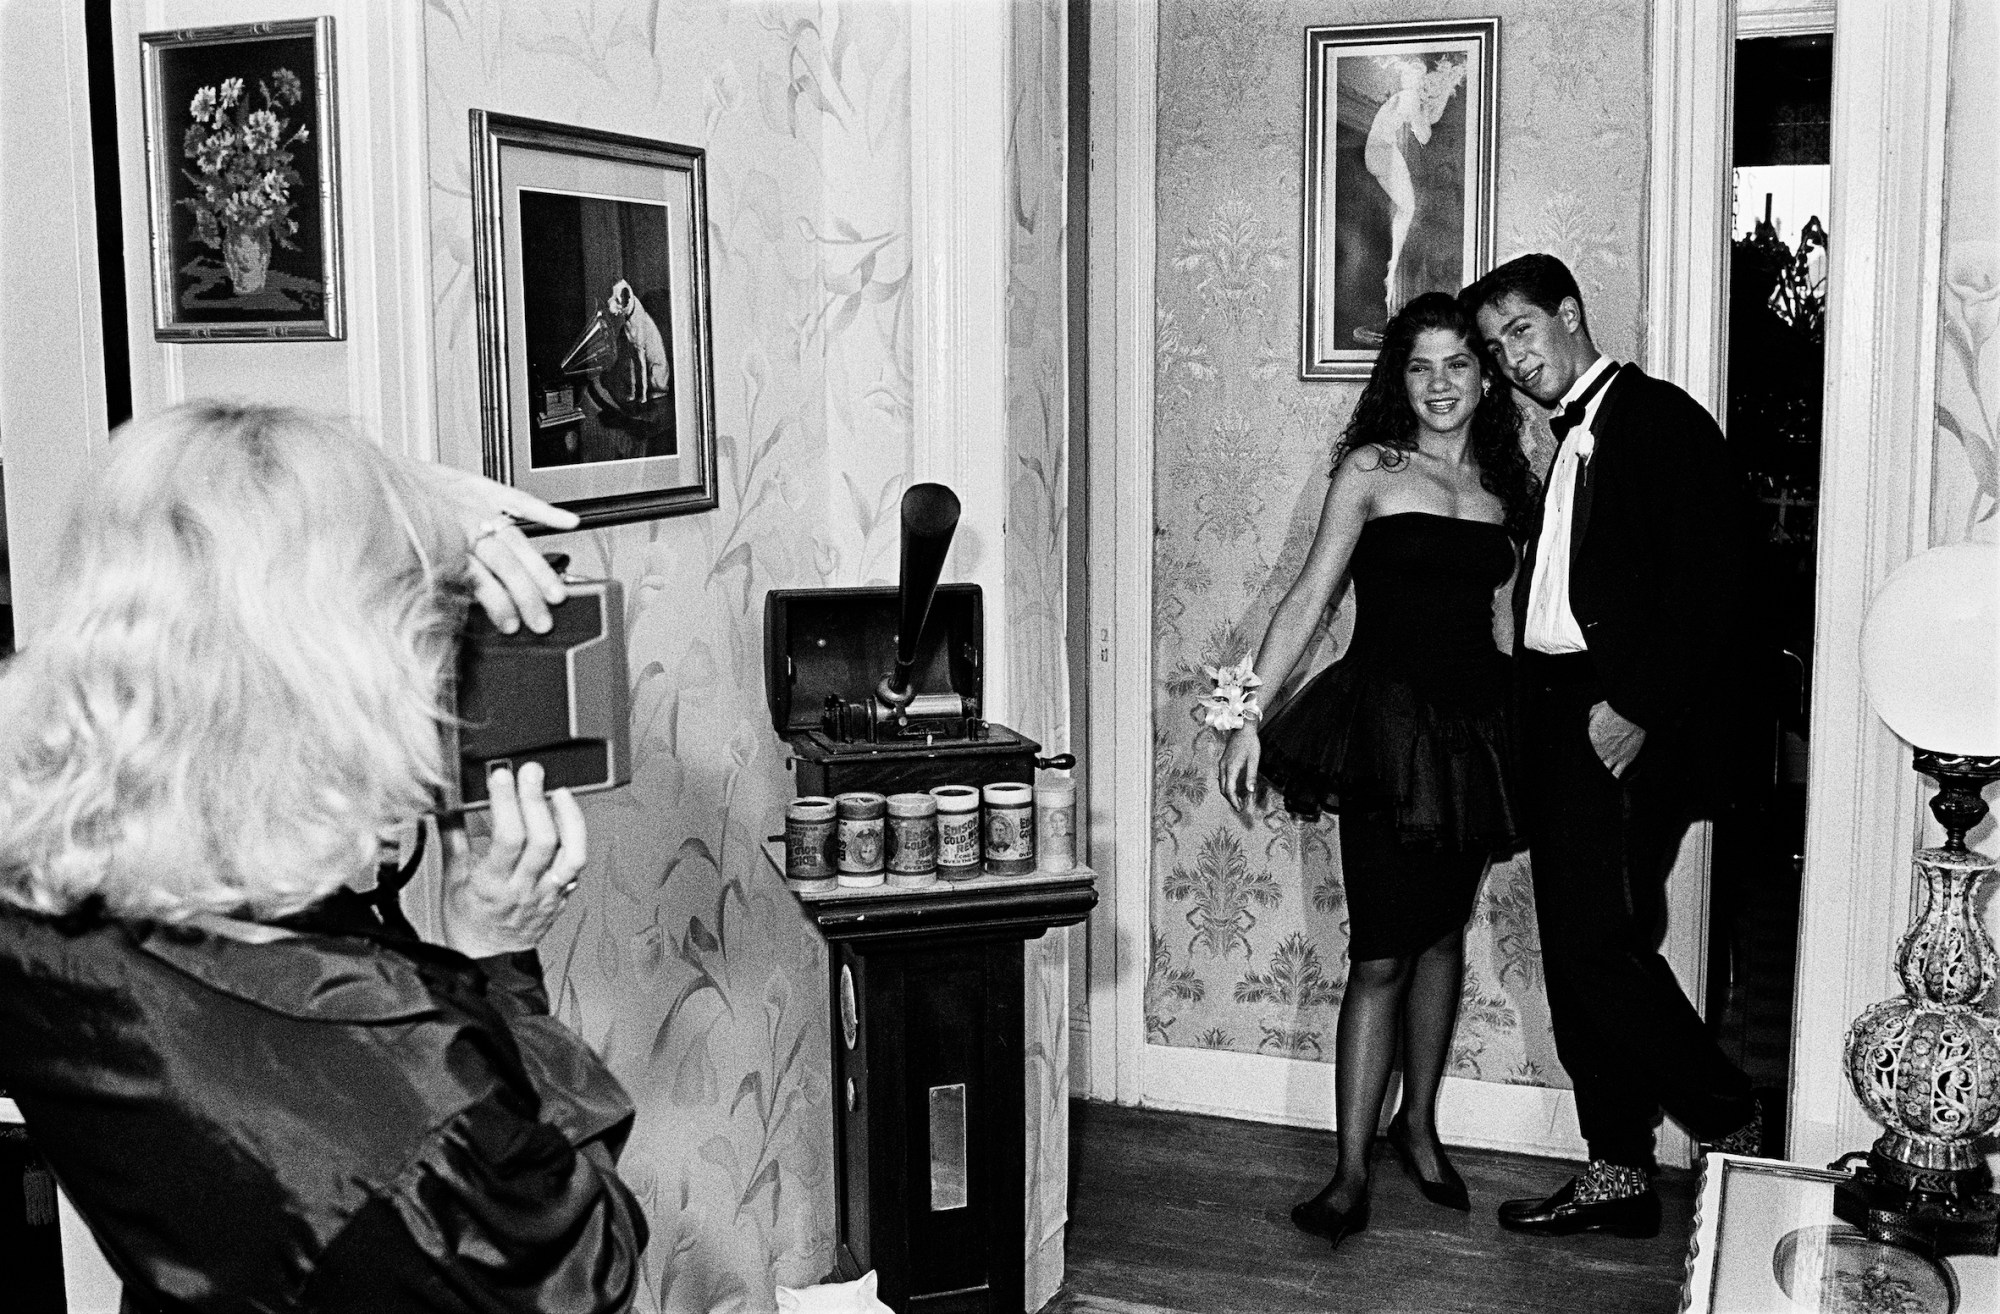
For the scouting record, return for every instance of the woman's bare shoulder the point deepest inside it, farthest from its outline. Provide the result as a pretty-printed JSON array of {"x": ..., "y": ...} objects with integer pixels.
[{"x": 1370, "y": 462}]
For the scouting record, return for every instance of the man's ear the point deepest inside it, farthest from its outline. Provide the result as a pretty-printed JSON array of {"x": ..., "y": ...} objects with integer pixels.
[{"x": 1570, "y": 312}]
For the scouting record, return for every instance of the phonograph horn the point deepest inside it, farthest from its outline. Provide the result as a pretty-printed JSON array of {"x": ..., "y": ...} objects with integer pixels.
[{"x": 930, "y": 517}]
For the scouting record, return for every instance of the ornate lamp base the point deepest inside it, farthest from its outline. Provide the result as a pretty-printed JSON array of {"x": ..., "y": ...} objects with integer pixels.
[
  {"x": 1927, "y": 1065},
  {"x": 1937, "y": 1214}
]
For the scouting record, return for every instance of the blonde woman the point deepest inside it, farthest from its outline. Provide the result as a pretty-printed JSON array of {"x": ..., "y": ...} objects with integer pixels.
[{"x": 257, "y": 1092}]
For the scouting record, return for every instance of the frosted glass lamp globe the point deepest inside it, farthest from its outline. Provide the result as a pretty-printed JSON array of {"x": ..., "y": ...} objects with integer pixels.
[{"x": 1930, "y": 650}]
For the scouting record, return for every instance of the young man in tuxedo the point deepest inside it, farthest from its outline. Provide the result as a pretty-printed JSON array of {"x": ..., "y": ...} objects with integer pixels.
[{"x": 1634, "y": 659}]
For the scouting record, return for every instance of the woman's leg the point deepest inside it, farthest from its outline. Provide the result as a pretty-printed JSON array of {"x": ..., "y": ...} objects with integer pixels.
[
  {"x": 1364, "y": 1052},
  {"x": 1429, "y": 1016}
]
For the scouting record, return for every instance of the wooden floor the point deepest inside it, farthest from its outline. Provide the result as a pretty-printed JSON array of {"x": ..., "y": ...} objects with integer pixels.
[{"x": 1177, "y": 1213}]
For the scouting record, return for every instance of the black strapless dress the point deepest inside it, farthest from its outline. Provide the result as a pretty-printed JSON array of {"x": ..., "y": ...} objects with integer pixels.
[{"x": 1408, "y": 733}]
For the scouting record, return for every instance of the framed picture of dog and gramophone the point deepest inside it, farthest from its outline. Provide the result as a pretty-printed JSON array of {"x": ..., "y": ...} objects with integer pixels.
[{"x": 596, "y": 369}]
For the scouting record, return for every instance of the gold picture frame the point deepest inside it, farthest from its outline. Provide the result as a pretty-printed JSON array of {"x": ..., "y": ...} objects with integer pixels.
[{"x": 243, "y": 183}]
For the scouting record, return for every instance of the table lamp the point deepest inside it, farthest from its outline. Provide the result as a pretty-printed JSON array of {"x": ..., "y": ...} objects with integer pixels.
[{"x": 1927, "y": 1065}]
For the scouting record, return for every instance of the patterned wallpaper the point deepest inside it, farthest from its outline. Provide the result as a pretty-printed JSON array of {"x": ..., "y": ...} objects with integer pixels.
[
  {"x": 1036, "y": 555},
  {"x": 1965, "y": 490},
  {"x": 684, "y": 960},
  {"x": 1249, "y": 922}
]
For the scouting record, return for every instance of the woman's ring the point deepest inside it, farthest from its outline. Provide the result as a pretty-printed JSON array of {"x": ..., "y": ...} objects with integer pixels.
[
  {"x": 569, "y": 888},
  {"x": 488, "y": 530}
]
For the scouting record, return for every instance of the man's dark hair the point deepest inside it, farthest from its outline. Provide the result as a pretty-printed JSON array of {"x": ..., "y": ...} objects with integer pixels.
[{"x": 1540, "y": 280}]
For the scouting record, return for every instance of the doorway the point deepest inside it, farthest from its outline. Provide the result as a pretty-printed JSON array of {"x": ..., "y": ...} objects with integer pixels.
[{"x": 1776, "y": 316}]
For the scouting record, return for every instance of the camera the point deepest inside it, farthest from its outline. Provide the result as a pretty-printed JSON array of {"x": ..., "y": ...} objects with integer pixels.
[{"x": 560, "y": 698}]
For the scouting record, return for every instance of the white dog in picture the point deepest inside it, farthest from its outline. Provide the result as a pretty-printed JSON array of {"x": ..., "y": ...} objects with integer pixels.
[{"x": 648, "y": 374}]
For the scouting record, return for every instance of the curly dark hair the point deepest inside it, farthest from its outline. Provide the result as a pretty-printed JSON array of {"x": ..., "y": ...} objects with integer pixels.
[{"x": 1383, "y": 417}]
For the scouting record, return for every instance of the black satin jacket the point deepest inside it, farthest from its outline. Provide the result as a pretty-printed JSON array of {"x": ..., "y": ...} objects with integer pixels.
[{"x": 327, "y": 1122}]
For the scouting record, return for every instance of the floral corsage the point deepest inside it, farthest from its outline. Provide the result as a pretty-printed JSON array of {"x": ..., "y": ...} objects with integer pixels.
[{"x": 1230, "y": 705}]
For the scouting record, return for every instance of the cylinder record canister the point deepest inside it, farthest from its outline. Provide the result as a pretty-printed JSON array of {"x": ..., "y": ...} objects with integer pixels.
[
  {"x": 913, "y": 839},
  {"x": 958, "y": 832},
  {"x": 1010, "y": 828},
  {"x": 862, "y": 838},
  {"x": 810, "y": 846},
  {"x": 1055, "y": 825}
]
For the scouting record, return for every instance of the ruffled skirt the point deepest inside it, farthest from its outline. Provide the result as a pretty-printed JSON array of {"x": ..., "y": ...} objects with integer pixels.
[{"x": 1431, "y": 757}]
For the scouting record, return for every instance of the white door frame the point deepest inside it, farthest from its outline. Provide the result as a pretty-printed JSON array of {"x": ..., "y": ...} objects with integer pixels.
[
  {"x": 1687, "y": 271},
  {"x": 1863, "y": 812},
  {"x": 52, "y": 407},
  {"x": 1123, "y": 104},
  {"x": 1863, "y": 802}
]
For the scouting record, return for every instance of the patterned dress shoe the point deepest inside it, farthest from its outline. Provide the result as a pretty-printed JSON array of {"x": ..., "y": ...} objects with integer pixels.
[
  {"x": 1747, "y": 1139},
  {"x": 1607, "y": 1197}
]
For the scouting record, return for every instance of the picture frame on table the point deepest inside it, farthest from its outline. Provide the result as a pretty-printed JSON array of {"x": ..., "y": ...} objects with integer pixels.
[
  {"x": 242, "y": 181},
  {"x": 1399, "y": 149},
  {"x": 596, "y": 357},
  {"x": 1766, "y": 1238}
]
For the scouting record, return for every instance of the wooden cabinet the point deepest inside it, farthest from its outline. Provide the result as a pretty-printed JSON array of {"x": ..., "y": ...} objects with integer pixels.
[{"x": 930, "y": 1138}]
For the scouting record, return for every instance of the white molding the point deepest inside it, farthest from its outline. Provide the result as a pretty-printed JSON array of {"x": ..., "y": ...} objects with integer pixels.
[
  {"x": 1862, "y": 798},
  {"x": 384, "y": 142},
  {"x": 1687, "y": 274},
  {"x": 1124, "y": 71},
  {"x": 1687, "y": 197},
  {"x": 1299, "y": 1093},
  {"x": 90, "y": 1284},
  {"x": 958, "y": 243},
  {"x": 1775, "y": 18},
  {"x": 52, "y": 409}
]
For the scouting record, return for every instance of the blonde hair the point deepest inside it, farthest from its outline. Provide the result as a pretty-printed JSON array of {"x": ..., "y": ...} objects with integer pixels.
[{"x": 241, "y": 683}]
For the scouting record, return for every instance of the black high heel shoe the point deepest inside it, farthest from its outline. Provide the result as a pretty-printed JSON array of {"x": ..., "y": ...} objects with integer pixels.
[
  {"x": 1448, "y": 1191},
  {"x": 1322, "y": 1219}
]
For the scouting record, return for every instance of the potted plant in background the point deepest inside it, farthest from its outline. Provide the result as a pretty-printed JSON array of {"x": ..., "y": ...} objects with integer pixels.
[{"x": 244, "y": 174}]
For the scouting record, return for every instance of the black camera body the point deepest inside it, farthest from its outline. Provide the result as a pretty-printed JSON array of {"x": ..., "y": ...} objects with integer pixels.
[{"x": 561, "y": 698}]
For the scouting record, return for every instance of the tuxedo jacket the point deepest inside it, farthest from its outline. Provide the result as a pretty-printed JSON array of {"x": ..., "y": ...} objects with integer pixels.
[{"x": 1660, "y": 584}]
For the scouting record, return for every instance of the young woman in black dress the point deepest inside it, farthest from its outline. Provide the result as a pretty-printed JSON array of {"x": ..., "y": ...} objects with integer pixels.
[{"x": 1406, "y": 735}]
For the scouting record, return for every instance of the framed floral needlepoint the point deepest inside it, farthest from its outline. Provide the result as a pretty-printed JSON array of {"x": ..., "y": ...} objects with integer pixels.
[{"x": 241, "y": 181}]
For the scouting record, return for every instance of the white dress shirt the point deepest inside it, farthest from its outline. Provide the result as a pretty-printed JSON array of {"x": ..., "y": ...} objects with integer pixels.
[{"x": 1551, "y": 625}]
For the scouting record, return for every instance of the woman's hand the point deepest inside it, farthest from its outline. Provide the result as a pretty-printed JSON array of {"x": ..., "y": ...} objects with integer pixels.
[
  {"x": 509, "y": 578},
  {"x": 505, "y": 900},
  {"x": 1236, "y": 773}
]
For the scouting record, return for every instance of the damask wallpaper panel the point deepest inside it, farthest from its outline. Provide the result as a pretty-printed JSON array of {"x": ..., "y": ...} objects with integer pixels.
[{"x": 1249, "y": 920}]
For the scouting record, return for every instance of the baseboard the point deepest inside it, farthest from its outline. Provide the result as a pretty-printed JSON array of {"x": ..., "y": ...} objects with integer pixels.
[
  {"x": 1296, "y": 1093},
  {"x": 1042, "y": 1277}
]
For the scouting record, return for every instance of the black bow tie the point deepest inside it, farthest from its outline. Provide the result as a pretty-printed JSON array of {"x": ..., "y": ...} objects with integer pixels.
[{"x": 1572, "y": 415}]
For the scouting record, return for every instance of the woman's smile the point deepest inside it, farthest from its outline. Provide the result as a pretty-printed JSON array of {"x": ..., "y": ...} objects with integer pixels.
[{"x": 1443, "y": 379}]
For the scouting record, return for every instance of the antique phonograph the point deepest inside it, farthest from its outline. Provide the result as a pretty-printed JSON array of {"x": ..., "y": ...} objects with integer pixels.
[{"x": 881, "y": 689}]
